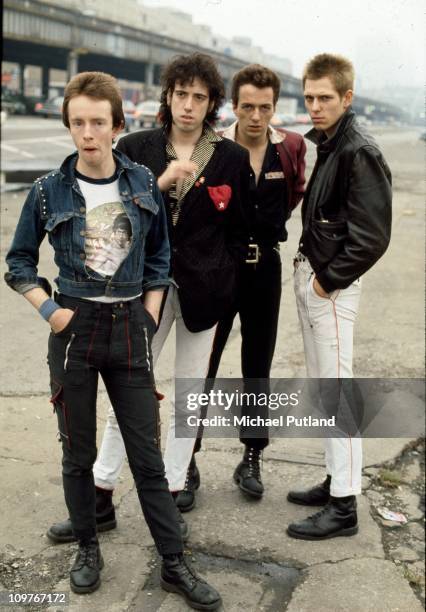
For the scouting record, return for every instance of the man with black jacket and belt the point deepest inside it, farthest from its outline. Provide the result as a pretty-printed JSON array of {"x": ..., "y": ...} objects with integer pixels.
[
  {"x": 346, "y": 217},
  {"x": 277, "y": 178}
]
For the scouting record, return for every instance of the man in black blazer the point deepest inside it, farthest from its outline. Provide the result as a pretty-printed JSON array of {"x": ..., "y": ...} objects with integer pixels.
[{"x": 204, "y": 179}]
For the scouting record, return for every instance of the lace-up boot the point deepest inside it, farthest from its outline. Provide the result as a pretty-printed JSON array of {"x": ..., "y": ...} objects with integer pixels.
[
  {"x": 185, "y": 499},
  {"x": 178, "y": 577},
  {"x": 318, "y": 495},
  {"x": 337, "y": 518},
  {"x": 61, "y": 533},
  {"x": 85, "y": 573},
  {"x": 247, "y": 474}
]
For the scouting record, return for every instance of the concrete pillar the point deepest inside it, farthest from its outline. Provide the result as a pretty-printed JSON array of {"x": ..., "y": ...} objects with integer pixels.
[
  {"x": 45, "y": 81},
  {"x": 22, "y": 79},
  {"x": 72, "y": 64}
]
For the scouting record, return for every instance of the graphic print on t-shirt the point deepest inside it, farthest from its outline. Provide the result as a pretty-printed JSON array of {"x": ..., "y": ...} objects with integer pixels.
[{"x": 108, "y": 237}]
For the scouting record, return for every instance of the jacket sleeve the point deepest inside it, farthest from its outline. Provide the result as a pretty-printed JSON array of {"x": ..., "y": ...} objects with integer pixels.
[
  {"x": 157, "y": 249},
  {"x": 238, "y": 229},
  {"x": 299, "y": 182},
  {"x": 369, "y": 219},
  {"x": 23, "y": 255}
]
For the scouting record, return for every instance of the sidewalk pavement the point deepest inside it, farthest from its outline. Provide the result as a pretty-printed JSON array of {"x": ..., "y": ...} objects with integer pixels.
[{"x": 239, "y": 545}]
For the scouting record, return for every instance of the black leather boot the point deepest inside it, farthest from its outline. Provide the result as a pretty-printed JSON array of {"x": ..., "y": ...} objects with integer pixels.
[
  {"x": 247, "y": 474},
  {"x": 185, "y": 499},
  {"x": 178, "y": 577},
  {"x": 319, "y": 495},
  {"x": 61, "y": 533},
  {"x": 337, "y": 518},
  {"x": 85, "y": 573}
]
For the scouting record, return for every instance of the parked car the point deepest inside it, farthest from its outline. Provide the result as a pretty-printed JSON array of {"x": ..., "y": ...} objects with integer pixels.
[
  {"x": 226, "y": 116},
  {"x": 146, "y": 114},
  {"x": 50, "y": 108},
  {"x": 12, "y": 103}
]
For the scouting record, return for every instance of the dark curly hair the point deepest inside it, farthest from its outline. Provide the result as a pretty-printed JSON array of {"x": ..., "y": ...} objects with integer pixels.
[
  {"x": 257, "y": 75},
  {"x": 184, "y": 69}
]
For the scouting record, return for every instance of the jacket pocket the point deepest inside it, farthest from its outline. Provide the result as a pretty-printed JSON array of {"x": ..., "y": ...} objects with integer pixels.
[
  {"x": 145, "y": 201},
  {"x": 59, "y": 227},
  {"x": 325, "y": 239}
]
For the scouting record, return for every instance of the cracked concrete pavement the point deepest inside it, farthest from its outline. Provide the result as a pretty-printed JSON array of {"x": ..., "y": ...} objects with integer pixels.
[{"x": 239, "y": 545}]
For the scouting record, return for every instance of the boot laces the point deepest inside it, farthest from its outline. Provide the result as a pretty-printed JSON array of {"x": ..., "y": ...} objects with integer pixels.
[
  {"x": 190, "y": 473},
  {"x": 253, "y": 460},
  {"x": 317, "y": 515},
  {"x": 190, "y": 573},
  {"x": 87, "y": 555}
]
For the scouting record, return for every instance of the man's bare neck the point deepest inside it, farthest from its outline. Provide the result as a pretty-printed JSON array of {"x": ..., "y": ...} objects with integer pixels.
[
  {"x": 181, "y": 139},
  {"x": 252, "y": 144}
]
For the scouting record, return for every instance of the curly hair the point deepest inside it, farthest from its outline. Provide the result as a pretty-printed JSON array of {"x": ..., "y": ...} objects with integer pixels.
[
  {"x": 336, "y": 67},
  {"x": 257, "y": 75},
  {"x": 97, "y": 85},
  {"x": 184, "y": 69}
]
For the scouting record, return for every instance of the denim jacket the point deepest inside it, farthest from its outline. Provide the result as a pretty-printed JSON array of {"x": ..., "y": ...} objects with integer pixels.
[{"x": 56, "y": 206}]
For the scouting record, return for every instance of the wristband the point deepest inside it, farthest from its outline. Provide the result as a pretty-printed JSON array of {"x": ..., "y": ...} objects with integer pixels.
[{"x": 48, "y": 308}]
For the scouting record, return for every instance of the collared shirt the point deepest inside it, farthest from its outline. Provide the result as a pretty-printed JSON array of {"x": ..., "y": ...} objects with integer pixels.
[
  {"x": 269, "y": 201},
  {"x": 269, "y": 197},
  {"x": 201, "y": 155}
]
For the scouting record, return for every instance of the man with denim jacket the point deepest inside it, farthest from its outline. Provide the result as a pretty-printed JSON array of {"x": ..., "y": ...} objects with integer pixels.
[
  {"x": 346, "y": 216},
  {"x": 103, "y": 319}
]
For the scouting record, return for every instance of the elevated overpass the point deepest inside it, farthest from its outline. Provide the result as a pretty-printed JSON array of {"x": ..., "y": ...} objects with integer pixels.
[{"x": 40, "y": 34}]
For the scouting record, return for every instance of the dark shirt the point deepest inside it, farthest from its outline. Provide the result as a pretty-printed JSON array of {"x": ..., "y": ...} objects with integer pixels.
[{"x": 269, "y": 201}]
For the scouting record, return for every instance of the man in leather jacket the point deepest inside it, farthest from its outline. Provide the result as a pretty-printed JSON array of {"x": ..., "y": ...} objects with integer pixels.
[{"x": 346, "y": 217}]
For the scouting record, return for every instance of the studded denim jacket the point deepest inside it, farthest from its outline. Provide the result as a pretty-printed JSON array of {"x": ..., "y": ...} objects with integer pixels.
[{"x": 55, "y": 206}]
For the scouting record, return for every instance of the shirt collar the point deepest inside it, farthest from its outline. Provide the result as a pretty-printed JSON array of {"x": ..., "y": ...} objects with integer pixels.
[{"x": 274, "y": 135}]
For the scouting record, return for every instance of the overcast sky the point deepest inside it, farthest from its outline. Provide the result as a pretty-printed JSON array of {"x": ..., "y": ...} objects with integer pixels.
[{"x": 384, "y": 38}]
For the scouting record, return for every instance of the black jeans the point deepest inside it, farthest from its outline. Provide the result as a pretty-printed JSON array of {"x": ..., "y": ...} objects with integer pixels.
[
  {"x": 258, "y": 304},
  {"x": 112, "y": 340}
]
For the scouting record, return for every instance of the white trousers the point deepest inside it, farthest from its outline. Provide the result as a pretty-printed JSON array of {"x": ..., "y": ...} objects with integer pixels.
[
  {"x": 327, "y": 328},
  {"x": 191, "y": 361}
]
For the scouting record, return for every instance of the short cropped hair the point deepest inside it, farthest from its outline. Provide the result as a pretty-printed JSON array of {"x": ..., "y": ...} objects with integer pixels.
[
  {"x": 184, "y": 69},
  {"x": 257, "y": 75},
  {"x": 336, "y": 67},
  {"x": 97, "y": 85}
]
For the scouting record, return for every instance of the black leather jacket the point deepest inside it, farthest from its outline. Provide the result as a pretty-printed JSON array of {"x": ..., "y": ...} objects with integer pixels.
[{"x": 346, "y": 211}]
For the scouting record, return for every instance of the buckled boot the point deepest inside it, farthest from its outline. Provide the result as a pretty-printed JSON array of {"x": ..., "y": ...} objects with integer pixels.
[
  {"x": 319, "y": 495},
  {"x": 185, "y": 499},
  {"x": 85, "y": 572},
  {"x": 247, "y": 474},
  {"x": 60, "y": 533},
  {"x": 337, "y": 518},
  {"x": 178, "y": 577}
]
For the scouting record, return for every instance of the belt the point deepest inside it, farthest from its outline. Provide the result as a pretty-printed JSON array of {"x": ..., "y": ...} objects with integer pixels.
[
  {"x": 93, "y": 306},
  {"x": 255, "y": 251}
]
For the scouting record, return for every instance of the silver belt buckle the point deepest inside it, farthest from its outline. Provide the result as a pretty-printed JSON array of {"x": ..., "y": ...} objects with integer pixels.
[{"x": 253, "y": 258}]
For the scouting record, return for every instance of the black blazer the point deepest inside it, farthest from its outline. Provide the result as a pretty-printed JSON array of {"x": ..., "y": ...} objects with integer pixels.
[{"x": 208, "y": 240}]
